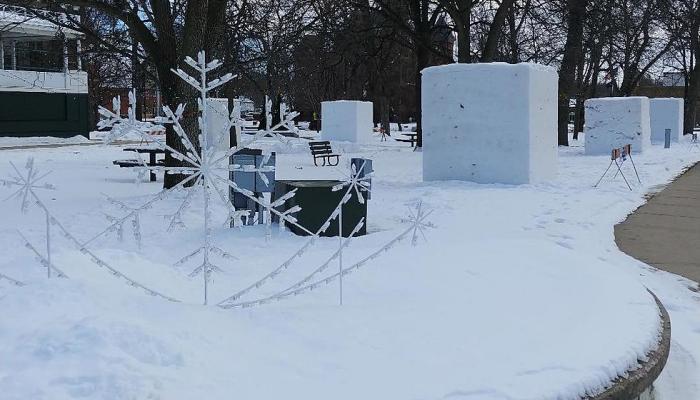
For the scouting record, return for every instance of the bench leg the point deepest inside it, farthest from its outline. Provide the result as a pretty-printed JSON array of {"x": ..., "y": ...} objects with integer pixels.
[
  {"x": 337, "y": 160},
  {"x": 152, "y": 160}
]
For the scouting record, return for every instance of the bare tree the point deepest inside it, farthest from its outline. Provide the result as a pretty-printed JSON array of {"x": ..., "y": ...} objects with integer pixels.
[
  {"x": 573, "y": 51},
  {"x": 683, "y": 22},
  {"x": 418, "y": 21}
]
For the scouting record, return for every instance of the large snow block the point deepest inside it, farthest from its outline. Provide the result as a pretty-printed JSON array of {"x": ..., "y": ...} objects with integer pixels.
[
  {"x": 489, "y": 123},
  {"x": 217, "y": 119},
  {"x": 348, "y": 121},
  {"x": 666, "y": 113},
  {"x": 612, "y": 122}
]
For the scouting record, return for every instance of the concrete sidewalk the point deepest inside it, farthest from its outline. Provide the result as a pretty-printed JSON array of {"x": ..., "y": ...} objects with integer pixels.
[{"x": 665, "y": 232}]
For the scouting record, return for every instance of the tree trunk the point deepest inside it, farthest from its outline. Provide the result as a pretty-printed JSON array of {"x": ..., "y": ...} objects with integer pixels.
[
  {"x": 691, "y": 101},
  {"x": 463, "y": 42},
  {"x": 385, "y": 114},
  {"x": 693, "y": 84},
  {"x": 193, "y": 41},
  {"x": 628, "y": 82},
  {"x": 422, "y": 60},
  {"x": 578, "y": 110},
  {"x": 567, "y": 73}
]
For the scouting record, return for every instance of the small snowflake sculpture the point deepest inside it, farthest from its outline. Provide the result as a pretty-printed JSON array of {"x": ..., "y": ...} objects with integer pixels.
[
  {"x": 357, "y": 180},
  {"x": 117, "y": 126},
  {"x": 419, "y": 223},
  {"x": 311, "y": 281},
  {"x": 26, "y": 184}
]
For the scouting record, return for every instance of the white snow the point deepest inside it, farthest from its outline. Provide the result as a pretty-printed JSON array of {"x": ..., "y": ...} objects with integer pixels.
[
  {"x": 346, "y": 120},
  {"x": 520, "y": 292},
  {"x": 490, "y": 123},
  {"x": 613, "y": 122},
  {"x": 666, "y": 113}
]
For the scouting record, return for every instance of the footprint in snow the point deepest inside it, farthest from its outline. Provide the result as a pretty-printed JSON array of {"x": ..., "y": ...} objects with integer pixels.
[{"x": 565, "y": 245}]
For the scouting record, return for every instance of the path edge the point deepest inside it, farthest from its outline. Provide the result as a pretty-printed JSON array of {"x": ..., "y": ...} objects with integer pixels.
[{"x": 641, "y": 379}]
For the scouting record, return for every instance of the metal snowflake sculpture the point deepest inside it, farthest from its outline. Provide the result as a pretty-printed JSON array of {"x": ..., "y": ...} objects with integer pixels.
[
  {"x": 117, "y": 126},
  {"x": 26, "y": 185},
  {"x": 313, "y": 280},
  {"x": 357, "y": 180},
  {"x": 203, "y": 165},
  {"x": 419, "y": 223},
  {"x": 206, "y": 172}
]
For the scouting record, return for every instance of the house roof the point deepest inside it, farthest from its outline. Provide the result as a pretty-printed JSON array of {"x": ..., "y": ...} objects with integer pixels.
[{"x": 18, "y": 23}]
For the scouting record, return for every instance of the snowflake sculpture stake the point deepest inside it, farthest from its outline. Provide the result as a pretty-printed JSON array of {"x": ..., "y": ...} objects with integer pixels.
[{"x": 358, "y": 182}]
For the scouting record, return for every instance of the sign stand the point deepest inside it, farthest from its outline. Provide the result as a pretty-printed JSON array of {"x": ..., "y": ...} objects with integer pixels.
[
  {"x": 621, "y": 154},
  {"x": 694, "y": 141}
]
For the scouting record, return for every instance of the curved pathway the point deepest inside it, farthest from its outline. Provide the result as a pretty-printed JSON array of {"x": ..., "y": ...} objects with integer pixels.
[{"x": 665, "y": 232}]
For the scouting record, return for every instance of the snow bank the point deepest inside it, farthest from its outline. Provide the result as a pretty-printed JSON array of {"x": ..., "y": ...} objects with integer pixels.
[
  {"x": 612, "y": 122},
  {"x": 8, "y": 141},
  {"x": 666, "y": 113},
  {"x": 519, "y": 293},
  {"x": 489, "y": 123},
  {"x": 349, "y": 121}
]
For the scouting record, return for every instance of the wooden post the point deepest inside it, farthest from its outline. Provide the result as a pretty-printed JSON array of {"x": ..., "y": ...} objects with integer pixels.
[
  {"x": 2, "y": 54},
  {"x": 65, "y": 55},
  {"x": 77, "y": 55},
  {"x": 13, "y": 53}
]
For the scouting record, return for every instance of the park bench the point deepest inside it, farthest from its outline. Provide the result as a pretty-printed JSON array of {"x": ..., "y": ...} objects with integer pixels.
[{"x": 323, "y": 151}]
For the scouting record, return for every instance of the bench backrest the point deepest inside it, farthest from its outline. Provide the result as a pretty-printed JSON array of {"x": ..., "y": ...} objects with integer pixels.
[{"x": 318, "y": 148}]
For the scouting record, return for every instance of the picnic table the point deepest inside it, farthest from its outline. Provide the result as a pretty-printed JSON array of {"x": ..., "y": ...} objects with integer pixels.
[
  {"x": 152, "y": 162},
  {"x": 411, "y": 137}
]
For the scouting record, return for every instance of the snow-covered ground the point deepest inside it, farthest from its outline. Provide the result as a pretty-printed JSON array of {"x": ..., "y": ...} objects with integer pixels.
[{"x": 520, "y": 292}]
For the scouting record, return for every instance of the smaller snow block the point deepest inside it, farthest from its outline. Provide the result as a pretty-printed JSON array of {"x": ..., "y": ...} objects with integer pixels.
[
  {"x": 348, "y": 121},
  {"x": 666, "y": 113},
  {"x": 490, "y": 123},
  {"x": 217, "y": 118},
  {"x": 612, "y": 122}
]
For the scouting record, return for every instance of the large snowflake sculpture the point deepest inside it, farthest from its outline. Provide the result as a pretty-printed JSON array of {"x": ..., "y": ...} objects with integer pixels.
[
  {"x": 205, "y": 171},
  {"x": 203, "y": 165}
]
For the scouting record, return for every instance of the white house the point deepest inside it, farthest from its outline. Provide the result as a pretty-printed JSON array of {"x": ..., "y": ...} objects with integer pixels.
[{"x": 43, "y": 90}]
